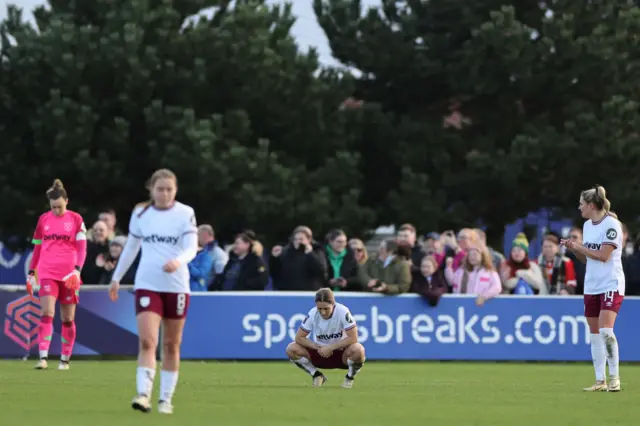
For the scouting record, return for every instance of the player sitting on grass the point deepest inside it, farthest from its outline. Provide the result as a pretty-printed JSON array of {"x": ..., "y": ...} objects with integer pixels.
[{"x": 336, "y": 344}]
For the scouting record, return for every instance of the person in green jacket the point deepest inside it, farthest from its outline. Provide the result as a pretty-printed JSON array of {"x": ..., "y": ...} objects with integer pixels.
[
  {"x": 345, "y": 273},
  {"x": 390, "y": 272}
]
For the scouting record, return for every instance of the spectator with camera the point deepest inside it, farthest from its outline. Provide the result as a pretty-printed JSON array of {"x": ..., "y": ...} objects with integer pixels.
[
  {"x": 390, "y": 272},
  {"x": 429, "y": 282},
  {"x": 476, "y": 275},
  {"x": 557, "y": 270},
  {"x": 111, "y": 260},
  {"x": 434, "y": 244},
  {"x": 97, "y": 250},
  {"x": 245, "y": 270},
  {"x": 459, "y": 245},
  {"x": 520, "y": 275},
  {"x": 575, "y": 235},
  {"x": 345, "y": 273},
  {"x": 300, "y": 265}
]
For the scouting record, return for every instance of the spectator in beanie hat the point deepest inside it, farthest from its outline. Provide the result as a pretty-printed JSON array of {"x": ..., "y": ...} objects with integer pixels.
[{"x": 518, "y": 266}]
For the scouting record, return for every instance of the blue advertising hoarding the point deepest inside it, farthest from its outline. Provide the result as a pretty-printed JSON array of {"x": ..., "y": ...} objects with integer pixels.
[{"x": 260, "y": 325}]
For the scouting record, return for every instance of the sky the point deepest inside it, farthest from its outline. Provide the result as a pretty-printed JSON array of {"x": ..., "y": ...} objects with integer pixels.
[{"x": 306, "y": 29}]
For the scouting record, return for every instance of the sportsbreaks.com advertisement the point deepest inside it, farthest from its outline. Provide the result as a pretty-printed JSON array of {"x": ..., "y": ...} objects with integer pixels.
[{"x": 260, "y": 325}]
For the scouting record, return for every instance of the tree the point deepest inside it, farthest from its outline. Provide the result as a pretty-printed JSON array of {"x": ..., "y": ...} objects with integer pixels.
[
  {"x": 101, "y": 94},
  {"x": 499, "y": 109}
]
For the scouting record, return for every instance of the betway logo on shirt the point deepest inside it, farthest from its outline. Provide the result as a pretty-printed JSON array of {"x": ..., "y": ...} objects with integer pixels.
[
  {"x": 592, "y": 246},
  {"x": 56, "y": 237},
  {"x": 329, "y": 336},
  {"x": 161, "y": 239}
]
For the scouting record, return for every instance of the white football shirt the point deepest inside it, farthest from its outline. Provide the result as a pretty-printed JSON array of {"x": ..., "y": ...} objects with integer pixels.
[
  {"x": 162, "y": 233},
  {"x": 328, "y": 331},
  {"x": 602, "y": 277}
]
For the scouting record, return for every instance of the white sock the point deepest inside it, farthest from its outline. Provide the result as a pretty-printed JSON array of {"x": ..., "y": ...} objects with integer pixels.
[
  {"x": 305, "y": 365},
  {"x": 44, "y": 354},
  {"x": 611, "y": 349},
  {"x": 599, "y": 356},
  {"x": 144, "y": 380},
  {"x": 168, "y": 383},
  {"x": 353, "y": 368}
]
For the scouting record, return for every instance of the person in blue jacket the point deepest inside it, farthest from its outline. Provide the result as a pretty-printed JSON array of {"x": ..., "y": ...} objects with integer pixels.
[{"x": 200, "y": 270}]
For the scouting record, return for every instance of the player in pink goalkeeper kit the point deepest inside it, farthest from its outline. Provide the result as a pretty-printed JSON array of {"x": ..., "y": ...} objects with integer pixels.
[{"x": 60, "y": 250}]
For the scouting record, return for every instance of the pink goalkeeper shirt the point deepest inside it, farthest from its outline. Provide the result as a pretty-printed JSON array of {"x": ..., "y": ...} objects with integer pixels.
[{"x": 59, "y": 238}]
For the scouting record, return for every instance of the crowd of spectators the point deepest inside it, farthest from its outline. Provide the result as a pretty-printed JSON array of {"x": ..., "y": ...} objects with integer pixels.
[{"x": 438, "y": 263}]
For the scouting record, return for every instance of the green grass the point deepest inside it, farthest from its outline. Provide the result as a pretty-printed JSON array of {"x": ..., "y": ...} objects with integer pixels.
[{"x": 96, "y": 393}]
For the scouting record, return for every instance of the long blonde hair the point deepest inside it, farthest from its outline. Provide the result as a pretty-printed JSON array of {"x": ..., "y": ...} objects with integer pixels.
[
  {"x": 360, "y": 244},
  {"x": 485, "y": 258},
  {"x": 598, "y": 197}
]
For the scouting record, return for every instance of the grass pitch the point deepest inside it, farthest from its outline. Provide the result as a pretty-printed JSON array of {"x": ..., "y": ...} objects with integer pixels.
[{"x": 96, "y": 393}]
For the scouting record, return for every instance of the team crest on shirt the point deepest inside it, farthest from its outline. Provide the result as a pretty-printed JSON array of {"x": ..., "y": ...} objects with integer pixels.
[
  {"x": 46, "y": 227},
  {"x": 611, "y": 234},
  {"x": 68, "y": 226},
  {"x": 348, "y": 318},
  {"x": 145, "y": 301}
]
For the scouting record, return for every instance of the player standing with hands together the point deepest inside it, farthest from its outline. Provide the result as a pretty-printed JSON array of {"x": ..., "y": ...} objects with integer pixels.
[
  {"x": 166, "y": 231},
  {"x": 604, "y": 283},
  {"x": 60, "y": 250}
]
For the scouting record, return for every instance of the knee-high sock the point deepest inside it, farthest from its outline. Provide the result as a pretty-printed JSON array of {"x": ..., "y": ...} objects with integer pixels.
[
  {"x": 599, "y": 356},
  {"x": 611, "y": 348},
  {"x": 68, "y": 339},
  {"x": 45, "y": 331}
]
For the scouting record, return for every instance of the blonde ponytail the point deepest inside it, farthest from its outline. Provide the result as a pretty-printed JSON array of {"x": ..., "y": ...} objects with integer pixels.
[
  {"x": 598, "y": 196},
  {"x": 602, "y": 193}
]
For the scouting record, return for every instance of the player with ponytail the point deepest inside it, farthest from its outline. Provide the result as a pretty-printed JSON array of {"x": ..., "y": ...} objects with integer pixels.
[
  {"x": 604, "y": 282},
  {"x": 60, "y": 250},
  {"x": 165, "y": 230}
]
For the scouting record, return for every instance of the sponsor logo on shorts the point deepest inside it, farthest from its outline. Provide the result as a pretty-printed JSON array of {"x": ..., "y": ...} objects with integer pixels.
[
  {"x": 21, "y": 321},
  {"x": 161, "y": 239},
  {"x": 145, "y": 301}
]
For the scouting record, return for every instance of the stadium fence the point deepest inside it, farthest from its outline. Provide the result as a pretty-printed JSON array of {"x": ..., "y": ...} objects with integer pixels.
[{"x": 259, "y": 325}]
